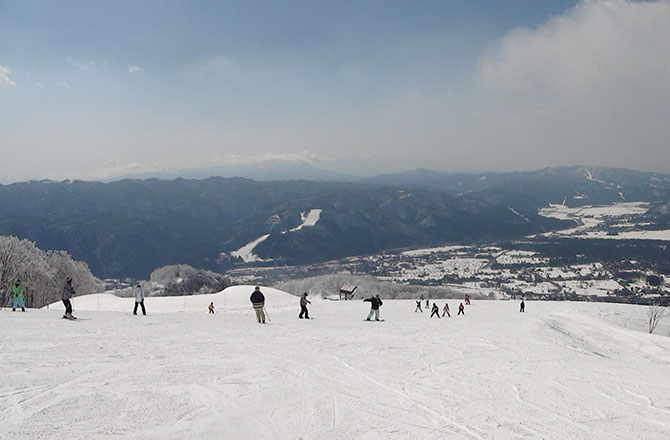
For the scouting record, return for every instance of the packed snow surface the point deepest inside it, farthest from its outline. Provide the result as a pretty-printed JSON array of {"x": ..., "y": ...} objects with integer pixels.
[
  {"x": 309, "y": 220},
  {"x": 246, "y": 252},
  {"x": 559, "y": 371}
]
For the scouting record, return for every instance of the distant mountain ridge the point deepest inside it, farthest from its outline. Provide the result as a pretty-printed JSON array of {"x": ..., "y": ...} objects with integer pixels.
[{"x": 130, "y": 227}]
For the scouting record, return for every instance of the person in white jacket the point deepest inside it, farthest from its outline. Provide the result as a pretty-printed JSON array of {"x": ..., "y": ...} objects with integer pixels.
[{"x": 139, "y": 300}]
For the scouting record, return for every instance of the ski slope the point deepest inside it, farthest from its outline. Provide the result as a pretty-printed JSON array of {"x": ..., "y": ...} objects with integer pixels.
[{"x": 560, "y": 371}]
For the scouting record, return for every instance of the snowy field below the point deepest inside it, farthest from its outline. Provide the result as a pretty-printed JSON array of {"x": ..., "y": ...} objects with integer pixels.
[{"x": 559, "y": 371}]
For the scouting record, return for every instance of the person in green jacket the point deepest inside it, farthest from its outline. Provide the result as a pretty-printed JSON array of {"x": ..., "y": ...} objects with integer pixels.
[{"x": 17, "y": 290}]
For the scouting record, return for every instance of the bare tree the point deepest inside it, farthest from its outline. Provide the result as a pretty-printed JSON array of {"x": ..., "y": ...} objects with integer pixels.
[{"x": 655, "y": 314}]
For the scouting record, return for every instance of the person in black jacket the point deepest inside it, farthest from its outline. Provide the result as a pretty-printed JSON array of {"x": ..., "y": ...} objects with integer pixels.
[
  {"x": 303, "y": 306},
  {"x": 435, "y": 311},
  {"x": 258, "y": 301},
  {"x": 418, "y": 307},
  {"x": 522, "y": 307},
  {"x": 375, "y": 303}
]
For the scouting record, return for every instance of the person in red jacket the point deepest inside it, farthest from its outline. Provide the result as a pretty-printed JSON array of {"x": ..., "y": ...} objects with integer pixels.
[
  {"x": 467, "y": 299},
  {"x": 461, "y": 309}
]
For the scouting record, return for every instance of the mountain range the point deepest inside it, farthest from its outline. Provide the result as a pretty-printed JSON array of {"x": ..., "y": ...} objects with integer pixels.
[{"x": 132, "y": 226}]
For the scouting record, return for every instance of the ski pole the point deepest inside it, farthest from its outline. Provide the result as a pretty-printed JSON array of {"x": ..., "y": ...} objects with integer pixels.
[
  {"x": 267, "y": 314},
  {"x": 249, "y": 310}
]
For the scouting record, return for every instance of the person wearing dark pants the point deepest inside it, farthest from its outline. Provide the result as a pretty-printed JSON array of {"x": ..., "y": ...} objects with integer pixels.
[
  {"x": 139, "y": 300},
  {"x": 435, "y": 311},
  {"x": 522, "y": 307},
  {"x": 67, "y": 293},
  {"x": 461, "y": 309},
  {"x": 303, "y": 306},
  {"x": 418, "y": 307}
]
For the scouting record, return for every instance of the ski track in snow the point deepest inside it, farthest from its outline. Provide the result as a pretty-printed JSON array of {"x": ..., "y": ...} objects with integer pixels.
[{"x": 562, "y": 370}]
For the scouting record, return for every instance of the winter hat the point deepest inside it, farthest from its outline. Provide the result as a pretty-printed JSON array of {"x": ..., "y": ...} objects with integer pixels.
[
  {"x": 69, "y": 280},
  {"x": 257, "y": 288}
]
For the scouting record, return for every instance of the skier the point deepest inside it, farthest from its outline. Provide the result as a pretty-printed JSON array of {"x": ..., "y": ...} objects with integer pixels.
[
  {"x": 258, "y": 300},
  {"x": 467, "y": 299},
  {"x": 17, "y": 290},
  {"x": 139, "y": 300},
  {"x": 303, "y": 306},
  {"x": 427, "y": 303},
  {"x": 461, "y": 309},
  {"x": 446, "y": 310},
  {"x": 522, "y": 307},
  {"x": 67, "y": 293},
  {"x": 211, "y": 307},
  {"x": 435, "y": 311},
  {"x": 375, "y": 303},
  {"x": 418, "y": 307}
]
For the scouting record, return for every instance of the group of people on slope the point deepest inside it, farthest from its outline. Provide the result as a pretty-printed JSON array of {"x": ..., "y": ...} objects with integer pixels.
[
  {"x": 435, "y": 310},
  {"x": 258, "y": 304}
]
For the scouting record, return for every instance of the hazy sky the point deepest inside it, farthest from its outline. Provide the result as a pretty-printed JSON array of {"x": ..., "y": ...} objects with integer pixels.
[{"x": 97, "y": 89}]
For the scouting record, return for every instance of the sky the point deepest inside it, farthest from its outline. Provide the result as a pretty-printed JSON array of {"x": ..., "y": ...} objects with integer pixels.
[{"x": 102, "y": 89}]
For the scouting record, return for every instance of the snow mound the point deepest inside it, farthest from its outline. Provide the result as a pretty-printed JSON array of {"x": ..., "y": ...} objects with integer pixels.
[{"x": 231, "y": 298}]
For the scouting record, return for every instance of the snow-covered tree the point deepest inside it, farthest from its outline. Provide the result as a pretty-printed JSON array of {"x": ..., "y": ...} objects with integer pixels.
[
  {"x": 42, "y": 274},
  {"x": 182, "y": 279}
]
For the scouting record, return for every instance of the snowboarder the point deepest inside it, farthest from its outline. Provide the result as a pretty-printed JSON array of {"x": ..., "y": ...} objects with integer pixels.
[
  {"x": 461, "y": 309},
  {"x": 375, "y": 303},
  {"x": 418, "y": 307},
  {"x": 435, "y": 311},
  {"x": 467, "y": 299},
  {"x": 258, "y": 301},
  {"x": 522, "y": 307},
  {"x": 303, "y": 306},
  {"x": 445, "y": 310},
  {"x": 17, "y": 291},
  {"x": 211, "y": 307},
  {"x": 67, "y": 293},
  {"x": 139, "y": 300}
]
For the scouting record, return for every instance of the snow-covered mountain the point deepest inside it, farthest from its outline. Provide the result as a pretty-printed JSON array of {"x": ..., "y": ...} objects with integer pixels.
[
  {"x": 561, "y": 370},
  {"x": 131, "y": 227}
]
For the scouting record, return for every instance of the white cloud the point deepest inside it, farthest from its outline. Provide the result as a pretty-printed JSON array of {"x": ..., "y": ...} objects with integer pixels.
[
  {"x": 589, "y": 86},
  {"x": 5, "y": 80},
  {"x": 133, "y": 69},
  {"x": 299, "y": 157},
  {"x": 84, "y": 66},
  {"x": 39, "y": 85}
]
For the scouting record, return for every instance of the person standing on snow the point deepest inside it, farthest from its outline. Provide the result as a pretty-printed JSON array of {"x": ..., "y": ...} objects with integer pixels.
[
  {"x": 467, "y": 299},
  {"x": 67, "y": 293},
  {"x": 435, "y": 311},
  {"x": 461, "y": 309},
  {"x": 375, "y": 303},
  {"x": 303, "y": 306},
  {"x": 427, "y": 303},
  {"x": 258, "y": 301},
  {"x": 446, "y": 310},
  {"x": 522, "y": 307},
  {"x": 139, "y": 300},
  {"x": 418, "y": 307},
  {"x": 17, "y": 293},
  {"x": 211, "y": 307}
]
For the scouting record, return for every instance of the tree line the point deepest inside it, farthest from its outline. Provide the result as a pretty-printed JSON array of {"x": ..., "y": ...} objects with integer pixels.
[{"x": 42, "y": 273}]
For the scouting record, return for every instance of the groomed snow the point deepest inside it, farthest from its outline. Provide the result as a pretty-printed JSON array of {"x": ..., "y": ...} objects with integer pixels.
[
  {"x": 560, "y": 371},
  {"x": 246, "y": 252},
  {"x": 309, "y": 220},
  {"x": 231, "y": 298}
]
